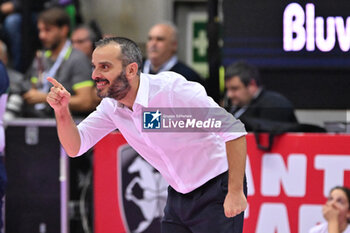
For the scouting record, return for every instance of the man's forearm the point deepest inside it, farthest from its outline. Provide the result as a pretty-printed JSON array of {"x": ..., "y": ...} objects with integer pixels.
[
  {"x": 67, "y": 132},
  {"x": 236, "y": 155}
]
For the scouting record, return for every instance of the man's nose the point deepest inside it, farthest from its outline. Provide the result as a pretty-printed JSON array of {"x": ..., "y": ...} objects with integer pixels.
[
  {"x": 230, "y": 94},
  {"x": 41, "y": 35},
  {"x": 94, "y": 74},
  {"x": 153, "y": 42}
]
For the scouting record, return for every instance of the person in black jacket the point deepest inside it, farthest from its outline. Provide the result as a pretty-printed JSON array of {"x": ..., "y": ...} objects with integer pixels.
[
  {"x": 250, "y": 102},
  {"x": 161, "y": 53}
]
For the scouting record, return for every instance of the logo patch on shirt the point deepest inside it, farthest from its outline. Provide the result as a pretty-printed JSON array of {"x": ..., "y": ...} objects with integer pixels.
[{"x": 152, "y": 120}]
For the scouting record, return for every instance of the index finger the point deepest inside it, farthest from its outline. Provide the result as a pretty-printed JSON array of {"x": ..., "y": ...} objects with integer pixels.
[{"x": 54, "y": 82}]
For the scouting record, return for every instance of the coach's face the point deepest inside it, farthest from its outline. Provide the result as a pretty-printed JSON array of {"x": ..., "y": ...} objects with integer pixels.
[{"x": 108, "y": 72}]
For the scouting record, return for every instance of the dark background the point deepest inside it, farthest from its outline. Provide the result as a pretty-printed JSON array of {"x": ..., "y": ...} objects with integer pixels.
[{"x": 253, "y": 31}]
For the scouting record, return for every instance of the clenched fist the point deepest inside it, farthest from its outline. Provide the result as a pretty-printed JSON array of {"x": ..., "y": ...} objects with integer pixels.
[{"x": 234, "y": 204}]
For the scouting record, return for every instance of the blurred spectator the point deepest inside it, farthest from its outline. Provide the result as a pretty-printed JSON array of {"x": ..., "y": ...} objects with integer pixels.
[
  {"x": 161, "y": 53},
  {"x": 15, "y": 101},
  {"x": 250, "y": 102},
  {"x": 4, "y": 86},
  {"x": 83, "y": 39},
  {"x": 61, "y": 61},
  {"x": 12, "y": 11},
  {"x": 23, "y": 39},
  {"x": 336, "y": 212}
]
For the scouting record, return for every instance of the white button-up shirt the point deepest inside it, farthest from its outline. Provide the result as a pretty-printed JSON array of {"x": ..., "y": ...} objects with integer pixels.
[{"x": 186, "y": 160}]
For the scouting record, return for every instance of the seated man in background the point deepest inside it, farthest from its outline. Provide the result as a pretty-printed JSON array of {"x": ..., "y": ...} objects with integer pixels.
[
  {"x": 83, "y": 39},
  {"x": 161, "y": 53},
  {"x": 62, "y": 61},
  {"x": 13, "y": 12},
  {"x": 250, "y": 102},
  {"x": 15, "y": 101}
]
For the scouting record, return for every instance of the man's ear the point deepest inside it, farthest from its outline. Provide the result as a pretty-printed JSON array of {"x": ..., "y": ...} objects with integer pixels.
[
  {"x": 65, "y": 31},
  {"x": 131, "y": 69},
  {"x": 252, "y": 87},
  {"x": 175, "y": 46},
  {"x": 253, "y": 83}
]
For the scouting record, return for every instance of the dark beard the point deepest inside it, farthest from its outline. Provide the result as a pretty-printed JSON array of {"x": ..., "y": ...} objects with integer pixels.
[
  {"x": 54, "y": 45},
  {"x": 118, "y": 89}
]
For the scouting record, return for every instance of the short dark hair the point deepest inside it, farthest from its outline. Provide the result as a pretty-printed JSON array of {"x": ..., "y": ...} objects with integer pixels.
[
  {"x": 130, "y": 52},
  {"x": 55, "y": 16},
  {"x": 347, "y": 193},
  {"x": 92, "y": 34},
  {"x": 246, "y": 72}
]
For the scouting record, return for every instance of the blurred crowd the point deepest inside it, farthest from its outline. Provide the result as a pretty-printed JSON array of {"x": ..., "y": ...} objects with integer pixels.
[{"x": 53, "y": 41}]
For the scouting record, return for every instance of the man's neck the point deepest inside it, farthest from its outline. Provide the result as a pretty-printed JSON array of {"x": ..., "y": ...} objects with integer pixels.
[
  {"x": 257, "y": 93},
  {"x": 156, "y": 66},
  {"x": 56, "y": 52}
]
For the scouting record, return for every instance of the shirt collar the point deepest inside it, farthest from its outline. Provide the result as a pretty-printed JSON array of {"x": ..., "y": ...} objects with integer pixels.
[
  {"x": 142, "y": 92},
  {"x": 165, "y": 67},
  {"x": 141, "y": 96}
]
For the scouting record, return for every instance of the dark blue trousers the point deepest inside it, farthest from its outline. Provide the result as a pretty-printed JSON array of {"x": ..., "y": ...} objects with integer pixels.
[
  {"x": 201, "y": 211},
  {"x": 3, "y": 183}
]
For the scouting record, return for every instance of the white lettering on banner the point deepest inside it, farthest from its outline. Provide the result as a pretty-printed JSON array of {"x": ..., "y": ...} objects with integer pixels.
[
  {"x": 310, "y": 27},
  {"x": 334, "y": 167},
  {"x": 343, "y": 33},
  {"x": 295, "y": 35},
  {"x": 309, "y": 216},
  {"x": 250, "y": 180},
  {"x": 273, "y": 218},
  {"x": 325, "y": 44},
  {"x": 291, "y": 26},
  {"x": 274, "y": 172}
]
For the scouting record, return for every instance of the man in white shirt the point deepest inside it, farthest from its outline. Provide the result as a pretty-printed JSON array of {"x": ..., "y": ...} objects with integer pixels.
[{"x": 202, "y": 196}]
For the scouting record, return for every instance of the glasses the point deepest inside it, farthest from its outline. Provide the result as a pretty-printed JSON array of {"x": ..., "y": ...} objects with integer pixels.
[{"x": 80, "y": 41}]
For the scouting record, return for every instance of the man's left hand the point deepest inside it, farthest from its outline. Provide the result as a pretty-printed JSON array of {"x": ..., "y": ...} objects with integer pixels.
[{"x": 234, "y": 204}]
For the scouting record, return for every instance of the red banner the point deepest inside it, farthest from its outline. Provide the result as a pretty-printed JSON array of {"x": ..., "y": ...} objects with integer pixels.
[
  {"x": 289, "y": 184},
  {"x": 286, "y": 186}
]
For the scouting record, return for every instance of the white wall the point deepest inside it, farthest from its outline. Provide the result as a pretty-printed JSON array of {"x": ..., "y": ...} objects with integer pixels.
[{"x": 129, "y": 18}]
